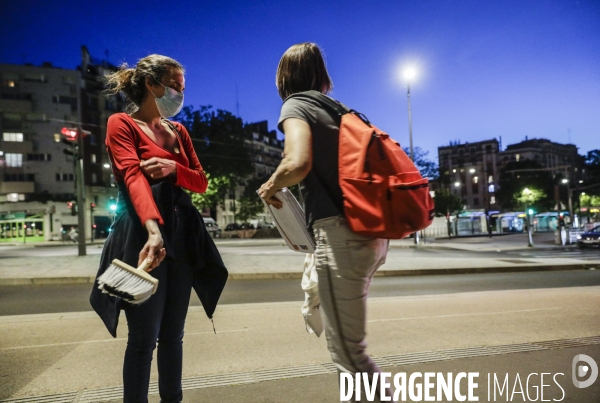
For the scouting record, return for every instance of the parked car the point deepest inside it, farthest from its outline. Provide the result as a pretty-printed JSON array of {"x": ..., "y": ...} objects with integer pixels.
[
  {"x": 232, "y": 227},
  {"x": 246, "y": 226},
  {"x": 212, "y": 227},
  {"x": 589, "y": 238}
]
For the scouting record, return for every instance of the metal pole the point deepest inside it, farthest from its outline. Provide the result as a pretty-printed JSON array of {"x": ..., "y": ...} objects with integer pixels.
[
  {"x": 412, "y": 155},
  {"x": 80, "y": 194}
]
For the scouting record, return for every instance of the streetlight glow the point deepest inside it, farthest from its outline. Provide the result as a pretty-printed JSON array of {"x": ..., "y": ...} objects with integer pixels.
[
  {"x": 409, "y": 73},
  {"x": 565, "y": 180},
  {"x": 457, "y": 184}
]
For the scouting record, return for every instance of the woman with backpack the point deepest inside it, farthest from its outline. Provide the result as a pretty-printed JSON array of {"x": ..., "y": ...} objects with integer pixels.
[{"x": 346, "y": 261}]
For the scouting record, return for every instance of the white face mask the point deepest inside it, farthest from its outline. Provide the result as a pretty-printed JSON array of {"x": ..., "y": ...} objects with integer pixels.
[{"x": 170, "y": 103}]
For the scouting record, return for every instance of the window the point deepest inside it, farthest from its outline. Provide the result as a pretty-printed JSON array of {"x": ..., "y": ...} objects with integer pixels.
[
  {"x": 17, "y": 137},
  {"x": 63, "y": 99},
  {"x": 19, "y": 178},
  {"x": 476, "y": 179},
  {"x": 14, "y": 160},
  {"x": 16, "y": 97},
  {"x": 94, "y": 178},
  {"x": 493, "y": 200},
  {"x": 14, "y": 117},
  {"x": 476, "y": 201},
  {"x": 93, "y": 159},
  {"x": 58, "y": 177},
  {"x": 518, "y": 157},
  {"x": 40, "y": 78},
  {"x": 92, "y": 140},
  {"x": 39, "y": 157},
  {"x": 490, "y": 179}
]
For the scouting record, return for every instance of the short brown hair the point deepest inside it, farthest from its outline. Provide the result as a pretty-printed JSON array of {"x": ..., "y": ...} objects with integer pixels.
[
  {"x": 302, "y": 68},
  {"x": 131, "y": 81}
]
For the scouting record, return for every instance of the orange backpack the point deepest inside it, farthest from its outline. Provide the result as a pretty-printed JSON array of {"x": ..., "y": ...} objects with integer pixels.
[{"x": 385, "y": 195}]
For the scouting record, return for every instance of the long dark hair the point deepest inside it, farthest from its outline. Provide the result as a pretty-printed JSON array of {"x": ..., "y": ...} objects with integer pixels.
[
  {"x": 131, "y": 81},
  {"x": 302, "y": 68}
]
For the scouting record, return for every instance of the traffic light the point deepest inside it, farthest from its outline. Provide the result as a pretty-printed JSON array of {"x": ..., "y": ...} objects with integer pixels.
[
  {"x": 531, "y": 211},
  {"x": 73, "y": 207},
  {"x": 69, "y": 133},
  {"x": 92, "y": 207},
  {"x": 112, "y": 204}
]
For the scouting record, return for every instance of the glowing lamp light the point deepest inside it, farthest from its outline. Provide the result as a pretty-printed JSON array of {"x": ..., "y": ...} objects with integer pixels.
[
  {"x": 472, "y": 170},
  {"x": 113, "y": 207},
  {"x": 457, "y": 184},
  {"x": 410, "y": 73},
  {"x": 565, "y": 180}
]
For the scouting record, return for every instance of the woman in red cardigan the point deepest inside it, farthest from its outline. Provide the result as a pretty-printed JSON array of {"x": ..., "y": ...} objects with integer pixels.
[{"x": 146, "y": 149}]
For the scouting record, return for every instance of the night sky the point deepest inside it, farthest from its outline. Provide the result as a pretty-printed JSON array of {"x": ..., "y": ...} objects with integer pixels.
[{"x": 485, "y": 68}]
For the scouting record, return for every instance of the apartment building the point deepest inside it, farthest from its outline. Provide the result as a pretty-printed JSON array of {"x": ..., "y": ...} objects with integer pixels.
[
  {"x": 470, "y": 171},
  {"x": 37, "y": 178}
]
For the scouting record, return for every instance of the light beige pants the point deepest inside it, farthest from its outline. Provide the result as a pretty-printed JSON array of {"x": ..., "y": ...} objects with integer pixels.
[{"x": 346, "y": 263}]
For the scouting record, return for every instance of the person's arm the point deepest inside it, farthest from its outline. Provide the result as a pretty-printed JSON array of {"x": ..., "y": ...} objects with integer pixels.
[
  {"x": 296, "y": 163},
  {"x": 190, "y": 177},
  {"x": 121, "y": 144}
]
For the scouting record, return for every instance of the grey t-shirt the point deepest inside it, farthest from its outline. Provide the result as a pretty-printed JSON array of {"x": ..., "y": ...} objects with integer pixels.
[{"x": 320, "y": 189}]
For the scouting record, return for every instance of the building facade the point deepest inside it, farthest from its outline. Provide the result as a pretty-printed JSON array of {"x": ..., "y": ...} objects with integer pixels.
[
  {"x": 266, "y": 152},
  {"x": 37, "y": 178},
  {"x": 560, "y": 159},
  {"x": 470, "y": 171}
]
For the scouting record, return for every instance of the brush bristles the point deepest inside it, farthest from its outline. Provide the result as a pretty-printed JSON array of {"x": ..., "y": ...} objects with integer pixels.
[{"x": 123, "y": 281}]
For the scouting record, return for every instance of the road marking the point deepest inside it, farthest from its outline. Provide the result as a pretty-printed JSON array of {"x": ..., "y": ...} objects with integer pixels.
[
  {"x": 109, "y": 340},
  {"x": 462, "y": 314}
]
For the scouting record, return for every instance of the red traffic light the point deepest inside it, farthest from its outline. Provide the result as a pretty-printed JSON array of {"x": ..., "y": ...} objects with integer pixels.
[{"x": 70, "y": 133}]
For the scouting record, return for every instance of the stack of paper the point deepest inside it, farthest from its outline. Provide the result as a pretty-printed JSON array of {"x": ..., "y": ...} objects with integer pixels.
[{"x": 291, "y": 223}]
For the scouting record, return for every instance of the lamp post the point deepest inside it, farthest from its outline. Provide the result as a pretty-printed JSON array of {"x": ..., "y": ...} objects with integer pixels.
[
  {"x": 528, "y": 196},
  {"x": 409, "y": 74}
]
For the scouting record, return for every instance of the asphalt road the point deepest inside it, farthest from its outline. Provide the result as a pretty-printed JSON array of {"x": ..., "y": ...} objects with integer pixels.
[{"x": 21, "y": 300}]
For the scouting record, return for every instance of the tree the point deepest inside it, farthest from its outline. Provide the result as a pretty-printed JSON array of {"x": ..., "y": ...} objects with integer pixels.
[
  {"x": 447, "y": 203},
  {"x": 592, "y": 170},
  {"x": 529, "y": 196},
  {"x": 215, "y": 195},
  {"x": 428, "y": 168},
  {"x": 519, "y": 175},
  {"x": 250, "y": 205},
  {"x": 219, "y": 140}
]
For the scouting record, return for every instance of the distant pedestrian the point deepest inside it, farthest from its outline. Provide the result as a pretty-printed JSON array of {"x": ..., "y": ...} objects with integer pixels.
[
  {"x": 152, "y": 160},
  {"x": 346, "y": 261}
]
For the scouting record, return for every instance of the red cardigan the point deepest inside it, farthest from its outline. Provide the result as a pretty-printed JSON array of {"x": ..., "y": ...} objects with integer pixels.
[{"x": 127, "y": 145}]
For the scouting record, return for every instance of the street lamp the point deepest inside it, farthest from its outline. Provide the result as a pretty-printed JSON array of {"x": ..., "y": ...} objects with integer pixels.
[{"x": 409, "y": 75}]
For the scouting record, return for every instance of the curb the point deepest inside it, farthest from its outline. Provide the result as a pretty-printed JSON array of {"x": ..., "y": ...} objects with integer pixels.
[{"x": 298, "y": 275}]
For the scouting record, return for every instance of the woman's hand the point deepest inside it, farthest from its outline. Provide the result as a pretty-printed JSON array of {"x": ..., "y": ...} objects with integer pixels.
[
  {"x": 158, "y": 168},
  {"x": 153, "y": 249},
  {"x": 267, "y": 193}
]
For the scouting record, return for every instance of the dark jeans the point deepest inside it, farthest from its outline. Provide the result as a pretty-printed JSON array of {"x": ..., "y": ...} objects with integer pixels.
[{"x": 161, "y": 319}]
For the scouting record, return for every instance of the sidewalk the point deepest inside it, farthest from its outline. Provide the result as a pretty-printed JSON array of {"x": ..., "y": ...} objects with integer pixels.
[
  {"x": 271, "y": 259},
  {"x": 261, "y": 352}
]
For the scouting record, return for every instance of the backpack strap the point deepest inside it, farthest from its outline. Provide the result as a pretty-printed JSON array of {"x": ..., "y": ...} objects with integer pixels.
[
  {"x": 333, "y": 105},
  {"x": 174, "y": 128}
]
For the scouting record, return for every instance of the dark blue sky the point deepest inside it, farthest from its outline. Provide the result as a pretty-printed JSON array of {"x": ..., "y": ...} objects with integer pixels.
[{"x": 486, "y": 68}]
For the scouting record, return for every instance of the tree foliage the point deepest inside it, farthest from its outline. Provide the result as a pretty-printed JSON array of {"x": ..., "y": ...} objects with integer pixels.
[
  {"x": 518, "y": 175},
  {"x": 220, "y": 141},
  {"x": 592, "y": 168},
  {"x": 218, "y": 190},
  {"x": 447, "y": 203},
  {"x": 428, "y": 168},
  {"x": 250, "y": 205}
]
